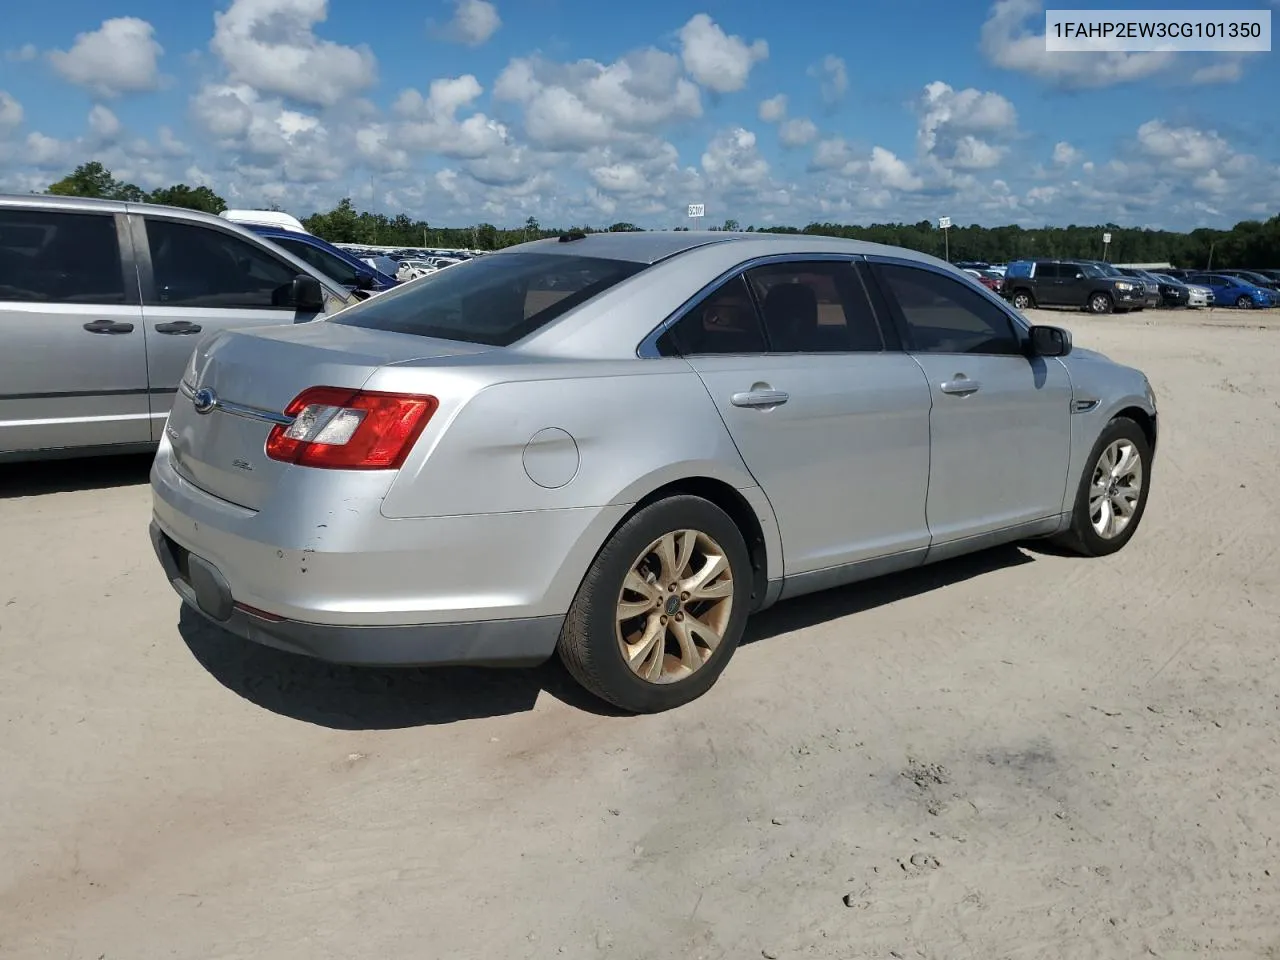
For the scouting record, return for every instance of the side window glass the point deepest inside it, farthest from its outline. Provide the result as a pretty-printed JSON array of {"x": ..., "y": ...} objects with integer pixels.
[
  {"x": 1047, "y": 271},
  {"x": 946, "y": 316},
  {"x": 48, "y": 257},
  {"x": 724, "y": 322},
  {"x": 334, "y": 268},
  {"x": 198, "y": 266},
  {"x": 815, "y": 307}
]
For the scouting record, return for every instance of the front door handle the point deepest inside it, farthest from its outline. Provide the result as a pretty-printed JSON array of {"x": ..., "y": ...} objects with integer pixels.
[
  {"x": 760, "y": 398},
  {"x": 961, "y": 386},
  {"x": 108, "y": 326},
  {"x": 178, "y": 328}
]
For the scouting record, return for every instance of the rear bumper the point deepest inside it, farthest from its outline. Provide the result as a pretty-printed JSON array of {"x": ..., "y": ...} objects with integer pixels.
[{"x": 523, "y": 641}]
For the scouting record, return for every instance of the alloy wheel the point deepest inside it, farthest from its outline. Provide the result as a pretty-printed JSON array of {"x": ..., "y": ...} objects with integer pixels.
[
  {"x": 1115, "y": 488},
  {"x": 674, "y": 606}
]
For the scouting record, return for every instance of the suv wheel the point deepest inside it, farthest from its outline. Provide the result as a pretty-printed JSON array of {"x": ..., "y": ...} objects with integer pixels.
[
  {"x": 1100, "y": 303},
  {"x": 1022, "y": 300}
]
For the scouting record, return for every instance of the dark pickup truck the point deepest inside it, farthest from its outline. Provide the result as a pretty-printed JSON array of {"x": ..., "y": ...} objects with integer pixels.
[{"x": 1070, "y": 283}]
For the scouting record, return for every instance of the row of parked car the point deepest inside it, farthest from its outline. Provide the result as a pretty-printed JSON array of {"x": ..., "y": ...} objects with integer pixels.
[{"x": 1102, "y": 287}]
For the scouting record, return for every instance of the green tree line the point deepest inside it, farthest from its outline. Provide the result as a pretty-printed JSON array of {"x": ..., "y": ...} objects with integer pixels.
[{"x": 1250, "y": 243}]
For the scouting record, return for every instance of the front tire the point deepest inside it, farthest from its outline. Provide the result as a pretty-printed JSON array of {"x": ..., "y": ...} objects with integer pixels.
[
  {"x": 1244, "y": 303},
  {"x": 1100, "y": 303},
  {"x": 1112, "y": 495},
  {"x": 662, "y": 608}
]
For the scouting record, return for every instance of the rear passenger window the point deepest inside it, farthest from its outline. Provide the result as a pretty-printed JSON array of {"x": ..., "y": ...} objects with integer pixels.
[
  {"x": 48, "y": 257},
  {"x": 1048, "y": 271},
  {"x": 946, "y": 316},
  {"x": 197, "y": 266},
  {"x": 815, "y": 307},
  {"x": 725, "y": 322}
]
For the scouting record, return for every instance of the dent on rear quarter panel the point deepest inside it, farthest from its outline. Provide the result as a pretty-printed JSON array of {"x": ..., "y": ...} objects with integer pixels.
[{"x": 658, "y": 422}]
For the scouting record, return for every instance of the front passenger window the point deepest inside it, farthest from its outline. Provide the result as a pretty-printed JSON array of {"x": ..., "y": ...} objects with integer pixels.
[
  {"x": 199, "y": 266},
  {"x": 945, "y": 316}
]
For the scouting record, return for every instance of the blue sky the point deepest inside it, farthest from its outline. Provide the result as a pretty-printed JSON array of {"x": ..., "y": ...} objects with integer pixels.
[{"x": 461, "y": 111}]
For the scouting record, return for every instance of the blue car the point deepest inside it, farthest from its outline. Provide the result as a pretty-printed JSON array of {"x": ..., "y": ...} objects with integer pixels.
[
  {"x": 1229, "y": 290},
  {"x": 333, "y": 262}
]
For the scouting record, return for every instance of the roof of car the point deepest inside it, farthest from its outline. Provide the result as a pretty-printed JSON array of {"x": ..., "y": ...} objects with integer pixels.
[
  {"x": 653, "y": 245},
  {"x": 47, "y": 201}
]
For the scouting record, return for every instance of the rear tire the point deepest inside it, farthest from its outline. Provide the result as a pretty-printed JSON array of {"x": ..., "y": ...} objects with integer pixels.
[
  {"x": 662, "y": 607},
  {"x": 1113, "y": 487},
  {"x": 1100, "y": 303},
  {"x": 1022, "y": 300}
]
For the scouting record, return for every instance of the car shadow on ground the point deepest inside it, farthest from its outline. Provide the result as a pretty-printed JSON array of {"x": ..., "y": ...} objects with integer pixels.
[
  {"x": 369, "y": 698},
  {"x": 65, "y": 476}
]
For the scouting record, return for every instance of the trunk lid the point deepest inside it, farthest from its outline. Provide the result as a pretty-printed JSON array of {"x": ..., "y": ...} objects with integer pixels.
[{"x": 254, "y": 374}]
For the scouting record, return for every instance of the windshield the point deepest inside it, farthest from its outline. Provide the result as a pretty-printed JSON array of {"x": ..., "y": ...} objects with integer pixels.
[
  {"x": 495, "y": 300},
  {"x": 333, "y": 267},
  {"x": 1092, "y": 270}
]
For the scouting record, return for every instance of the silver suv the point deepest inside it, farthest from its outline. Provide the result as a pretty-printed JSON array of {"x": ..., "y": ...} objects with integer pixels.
[{"x": 101, "y": 304}]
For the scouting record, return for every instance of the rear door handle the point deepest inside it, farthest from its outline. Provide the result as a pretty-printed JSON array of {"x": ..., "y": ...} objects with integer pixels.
[
  {"x": 178, "y": 327},
  {"x": 961, "y": 386},
  {"x": 108, "y": 326},
  {"x": 760, "y": 398}
]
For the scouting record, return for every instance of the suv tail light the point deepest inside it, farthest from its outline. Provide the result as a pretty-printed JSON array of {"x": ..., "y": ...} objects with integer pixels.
[{"x": 344, "y": 429}]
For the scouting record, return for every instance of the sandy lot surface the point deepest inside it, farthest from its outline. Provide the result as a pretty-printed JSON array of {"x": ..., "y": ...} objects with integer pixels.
[{"x": 1015, "y": 755}]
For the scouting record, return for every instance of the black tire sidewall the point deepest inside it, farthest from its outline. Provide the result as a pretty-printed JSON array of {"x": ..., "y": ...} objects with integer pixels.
[
  {"x": 1023, "y": 295},
  {"x": 1121, "y": 428},
  {"x": 603, "y": 583},
  {"x": 1104, "y": 299},
  {"x": 1243, "y": 303}
]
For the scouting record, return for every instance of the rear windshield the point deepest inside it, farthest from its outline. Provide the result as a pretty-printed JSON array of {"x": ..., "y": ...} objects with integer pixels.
[{"x": 494, "y": 300}]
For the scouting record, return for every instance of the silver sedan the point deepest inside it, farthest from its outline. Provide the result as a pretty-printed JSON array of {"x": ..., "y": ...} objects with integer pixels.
[{"x": 616, "y": 447}]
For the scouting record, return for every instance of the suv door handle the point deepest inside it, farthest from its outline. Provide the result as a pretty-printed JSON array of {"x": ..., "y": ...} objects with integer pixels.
[
  {"x": 760, "y": 398},
  {"x": 108, "y": 326},
  {"x": 178, "y": 327},
  {"x": 961, "y": 386}
]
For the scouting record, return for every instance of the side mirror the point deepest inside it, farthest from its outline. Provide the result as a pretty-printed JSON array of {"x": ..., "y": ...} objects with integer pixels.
[
  {"x": 306, "y": 295},
  {"x": 1079, "y": 276},
  {"x": 1049, "y": 341}
]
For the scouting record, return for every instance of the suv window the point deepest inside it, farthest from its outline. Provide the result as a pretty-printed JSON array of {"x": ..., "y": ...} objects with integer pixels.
[
  {"x": 815, "y": 307},
  {"x": 495, "y": 300},
  {"x": 333, "y": 267},
  {"x": 48, "y": 257},
  {"x": 724, "y": 322},
  {"x": 946, "y": 316},
  {"x": 1048, "y": 271},
  {"x": 199, "y": 266}
]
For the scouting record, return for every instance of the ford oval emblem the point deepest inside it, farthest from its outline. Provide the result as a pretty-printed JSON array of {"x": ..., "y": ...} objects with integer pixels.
[{"x": 204, "y": 400}]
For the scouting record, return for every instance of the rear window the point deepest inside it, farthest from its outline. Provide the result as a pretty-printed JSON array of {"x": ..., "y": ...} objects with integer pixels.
[{"x": 494, "y": 300}]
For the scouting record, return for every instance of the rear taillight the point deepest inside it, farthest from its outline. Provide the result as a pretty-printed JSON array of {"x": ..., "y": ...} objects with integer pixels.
[{"x": 344, "y": 429}]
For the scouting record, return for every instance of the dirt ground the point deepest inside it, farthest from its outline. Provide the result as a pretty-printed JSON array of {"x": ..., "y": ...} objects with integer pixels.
[{"x": 1019, "y": 754}]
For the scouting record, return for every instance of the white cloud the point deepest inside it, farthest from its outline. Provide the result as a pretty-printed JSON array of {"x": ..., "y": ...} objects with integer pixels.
[
  {"x": 23, "y": 54},
  {"x": 473, "y": 23},
  {"x": 1183, "y": 148},
  {"x": 832, "y": 76},
  {"x": 103, "y": 124},
  {"x": 1065, "y": 155},
  {"x": 797, "y": 132},
  {"x": 44, "y": 151},
  {"x": 271, "y": 45},
  {"x": 732, "y": 160},
  {"x": 831, "y": 154},
  {"x": 773, "y": 109},
  {"x": 10, "y": 113},
  {"x": 119, "y": 57},
  {"x": 886, "y": 168},
  {"x": 718, "y": 61},
  {"x": 1007, "y": 42},
  {"x": 1224, "y": 71},
  {"x": 577, "y": 105},
  {"x": 431, "y": 124},
  {"x": 949, "y": 120}
]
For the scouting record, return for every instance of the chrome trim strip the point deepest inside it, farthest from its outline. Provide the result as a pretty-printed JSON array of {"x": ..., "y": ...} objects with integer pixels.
[
  {"x": 648, "y": 348},
  {"x": 240, "y": 409}
]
